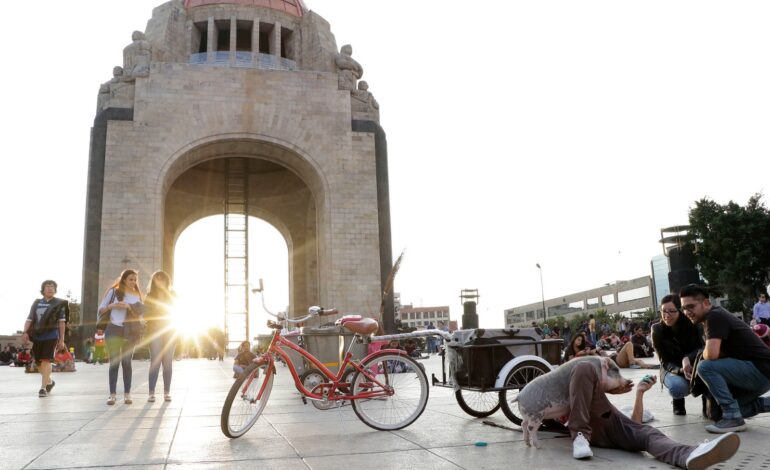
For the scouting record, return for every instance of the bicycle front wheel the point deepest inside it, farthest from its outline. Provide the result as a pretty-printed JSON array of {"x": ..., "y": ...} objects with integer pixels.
[
  {"x": 402, "y": 376},
  {"x": 244, "y": 404}
]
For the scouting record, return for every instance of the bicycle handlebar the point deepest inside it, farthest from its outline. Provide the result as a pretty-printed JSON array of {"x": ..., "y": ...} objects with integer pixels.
[{"x": 313, "y": 311}]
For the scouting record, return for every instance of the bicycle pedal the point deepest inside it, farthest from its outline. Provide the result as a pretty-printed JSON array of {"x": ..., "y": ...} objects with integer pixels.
[{"x": 304, "y": 400}]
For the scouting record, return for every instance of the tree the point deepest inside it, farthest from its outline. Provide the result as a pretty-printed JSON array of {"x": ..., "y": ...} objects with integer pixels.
[{"x": 732, "y": 249}]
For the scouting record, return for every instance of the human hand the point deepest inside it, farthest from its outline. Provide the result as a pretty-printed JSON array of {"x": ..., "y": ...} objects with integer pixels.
[
  {"x": 24, "y": 338},
  {"x": 646, "y": 383},
  {"x": 60, "y": 346}
]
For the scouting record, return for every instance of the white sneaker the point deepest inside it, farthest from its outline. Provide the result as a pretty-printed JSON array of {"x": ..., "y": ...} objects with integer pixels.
[
  {"x": 713, "y": 452},
  {"x": 580, "y": 447}
]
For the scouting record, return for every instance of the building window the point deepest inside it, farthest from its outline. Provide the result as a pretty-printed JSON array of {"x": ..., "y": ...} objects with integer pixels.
[
  {"x": 634, "y": 294},
  {"x": 223, "y": 35},
  {"x": 243, "y": 36},
  {"x": 264, "y": 37},
  {"x": 608, "y": 299}
]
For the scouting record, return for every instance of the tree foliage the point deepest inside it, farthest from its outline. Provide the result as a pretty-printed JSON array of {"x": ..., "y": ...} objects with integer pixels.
[{"x": 733, "y": 248}]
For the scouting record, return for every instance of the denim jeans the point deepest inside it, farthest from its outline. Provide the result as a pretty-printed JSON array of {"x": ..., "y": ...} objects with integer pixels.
[
  {"x": 238, "y": 369},
  {"x": 736, "y": 385},
  {"x": 161, "y": 353},
  {"x": 121, "y": 352},
  {"x": 678, "y": 386}
]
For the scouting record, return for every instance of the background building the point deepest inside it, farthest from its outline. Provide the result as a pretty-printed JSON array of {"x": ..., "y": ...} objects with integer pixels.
[
  {"x": 660, "y": 269},
  {"x": 625, "y": 297},
  {"x": 420, "y": 317}
]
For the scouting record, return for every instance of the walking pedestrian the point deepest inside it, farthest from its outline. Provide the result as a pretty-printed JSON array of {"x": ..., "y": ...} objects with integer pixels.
[
  {"x": 45, "y": 326},
  {"x": 120, "y": 302},
  {"x": 158, "y": 311}
]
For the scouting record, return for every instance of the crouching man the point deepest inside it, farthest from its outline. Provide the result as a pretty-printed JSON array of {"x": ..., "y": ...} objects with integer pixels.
[
  {"x": 735, "y": 365},
  {"x": 593, "y": 420}
]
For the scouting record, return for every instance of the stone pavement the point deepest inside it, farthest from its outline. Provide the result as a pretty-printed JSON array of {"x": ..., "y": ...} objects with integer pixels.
[{"x": 73, "y": 428}]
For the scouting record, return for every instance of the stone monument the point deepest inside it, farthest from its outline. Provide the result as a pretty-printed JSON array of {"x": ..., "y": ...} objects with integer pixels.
[{"x": 260, "y": 81}]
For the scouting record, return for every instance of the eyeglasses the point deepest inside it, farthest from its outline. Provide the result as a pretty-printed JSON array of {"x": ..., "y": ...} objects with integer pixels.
[
  {"x": 669, "y": 311},
  {"x": 689, "y": 307}
]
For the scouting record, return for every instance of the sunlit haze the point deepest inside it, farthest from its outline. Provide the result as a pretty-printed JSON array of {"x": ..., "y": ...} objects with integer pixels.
[{"x": 562, "y": 133}]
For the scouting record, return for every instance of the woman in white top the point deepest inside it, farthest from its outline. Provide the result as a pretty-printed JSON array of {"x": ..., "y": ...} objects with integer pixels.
[{"x": 123, "y": 296}]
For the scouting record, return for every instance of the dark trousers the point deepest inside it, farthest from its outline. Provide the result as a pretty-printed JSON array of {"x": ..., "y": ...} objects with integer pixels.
[
  {"x": 121, "y": 352},
  {"x": 603, "y": 425}
]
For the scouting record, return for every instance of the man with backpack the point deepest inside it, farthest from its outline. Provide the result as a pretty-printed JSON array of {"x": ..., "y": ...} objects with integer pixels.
[{"x": 45, "y": 326}]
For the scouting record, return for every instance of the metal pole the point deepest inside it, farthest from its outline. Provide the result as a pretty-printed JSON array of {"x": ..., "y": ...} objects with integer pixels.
[{"x": 542, "y": 292}]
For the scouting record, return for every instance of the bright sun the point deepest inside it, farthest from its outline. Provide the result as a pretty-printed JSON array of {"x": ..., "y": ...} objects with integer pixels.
[{"x": 189, "y": 321}]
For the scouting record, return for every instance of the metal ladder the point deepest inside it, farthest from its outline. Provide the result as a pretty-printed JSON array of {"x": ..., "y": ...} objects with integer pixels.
[{"x": 236, "y": 252}]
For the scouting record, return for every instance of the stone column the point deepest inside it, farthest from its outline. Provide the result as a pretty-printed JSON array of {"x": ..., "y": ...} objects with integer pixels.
[
  {"x": 255, "y": 43},
  {"x": 233, "y": 38},
  {"x": 275, "y": 44},
  {"x": 211, "y": 45},
  {"x": 189, "y": 41}
]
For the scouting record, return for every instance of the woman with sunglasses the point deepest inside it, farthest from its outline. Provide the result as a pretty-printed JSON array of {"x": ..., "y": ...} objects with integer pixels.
[{"x": 677, "y": 342}]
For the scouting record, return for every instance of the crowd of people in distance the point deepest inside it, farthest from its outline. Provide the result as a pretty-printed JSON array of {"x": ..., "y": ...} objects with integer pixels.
[{"x": 12, "y": 356}]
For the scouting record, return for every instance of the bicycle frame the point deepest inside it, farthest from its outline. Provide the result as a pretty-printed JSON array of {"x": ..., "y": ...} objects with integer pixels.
[{"x": 335, "y": 379}]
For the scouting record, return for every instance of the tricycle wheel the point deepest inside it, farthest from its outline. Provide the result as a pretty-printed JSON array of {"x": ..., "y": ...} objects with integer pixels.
[
  {"x": 478, "y": 404},
  {"x": 516, "y": 379}
]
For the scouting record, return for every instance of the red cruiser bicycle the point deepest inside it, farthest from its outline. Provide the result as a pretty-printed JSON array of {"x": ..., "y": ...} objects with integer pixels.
[{"x": 387, "y": 389}]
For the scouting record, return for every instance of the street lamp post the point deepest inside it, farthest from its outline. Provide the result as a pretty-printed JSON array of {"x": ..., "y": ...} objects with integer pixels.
[{"x": 542, "y": 292}]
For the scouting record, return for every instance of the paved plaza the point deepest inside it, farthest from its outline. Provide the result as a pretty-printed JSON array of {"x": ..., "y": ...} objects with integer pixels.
[{"x": 73, "y": 428}]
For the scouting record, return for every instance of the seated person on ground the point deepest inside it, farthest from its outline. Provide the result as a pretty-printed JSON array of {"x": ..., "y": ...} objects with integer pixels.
[
  {"x": 578, "y": 347},
  {"x": 677, "y": 342},
  {"x": 642, "y": 346},
  {"x": 6, "y": 358},
  {"x": 411, "y": 348},
  {"x": 243, "y": 359}
]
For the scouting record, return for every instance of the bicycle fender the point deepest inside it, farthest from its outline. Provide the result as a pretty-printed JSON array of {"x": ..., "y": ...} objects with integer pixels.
[{"x": 515, "y": 362}]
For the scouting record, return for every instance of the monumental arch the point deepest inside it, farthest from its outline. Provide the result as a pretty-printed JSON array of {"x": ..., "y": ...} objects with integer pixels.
[{"x": 247, "y": 94}]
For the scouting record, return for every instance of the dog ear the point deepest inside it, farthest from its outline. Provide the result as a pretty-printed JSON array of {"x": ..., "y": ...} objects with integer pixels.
[{"x": 606, "y": 364}]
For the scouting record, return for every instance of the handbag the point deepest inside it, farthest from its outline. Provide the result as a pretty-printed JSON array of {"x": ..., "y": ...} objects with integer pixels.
[
  {"x": 133, "y": 326},
  {"x": 103, "y": 319}
]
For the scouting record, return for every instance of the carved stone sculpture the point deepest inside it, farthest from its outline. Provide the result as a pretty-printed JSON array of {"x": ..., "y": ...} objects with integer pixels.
[
  {"x": 362, "y": 101},
  {"x": 137, "y": 57},
  {"x": 117, "y": 92},
  {"x": 349, "y": 70},
  {"x": 104, "y": 89}
]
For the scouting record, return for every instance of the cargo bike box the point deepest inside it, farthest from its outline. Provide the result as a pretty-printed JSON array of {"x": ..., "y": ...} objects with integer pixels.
[{"x": 487, "y": 367}]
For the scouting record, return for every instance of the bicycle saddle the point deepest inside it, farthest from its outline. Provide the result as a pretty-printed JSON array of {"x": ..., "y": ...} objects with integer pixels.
[{"x": 357, "y": 324}]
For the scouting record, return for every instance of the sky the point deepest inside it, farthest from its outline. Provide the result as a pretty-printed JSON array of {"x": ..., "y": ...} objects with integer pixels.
[{"x": 562, "y": 133}]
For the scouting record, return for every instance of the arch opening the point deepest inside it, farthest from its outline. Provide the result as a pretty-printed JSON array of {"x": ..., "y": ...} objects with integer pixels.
[
  {"x": 276, "y": 195},
  {"x": 199, "y": 275}
]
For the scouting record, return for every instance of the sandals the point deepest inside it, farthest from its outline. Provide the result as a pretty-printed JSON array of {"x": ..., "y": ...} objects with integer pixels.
[
  {"x": 151, "y": 398},
  {"x": 127, "y": 399},
  {"x": 166, "y": 397},
  {"x": 111, "y": 400}
]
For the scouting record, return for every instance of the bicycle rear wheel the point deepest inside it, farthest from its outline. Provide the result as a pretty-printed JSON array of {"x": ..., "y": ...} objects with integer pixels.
[
  {"x": 408, "y": 382},
  {"x": 242, "y": 407},
  {"x": 478, "y": 404}
]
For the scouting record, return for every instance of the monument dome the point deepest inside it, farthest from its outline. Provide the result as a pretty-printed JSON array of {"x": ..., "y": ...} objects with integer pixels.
[{"x": 293, "y": 7}]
